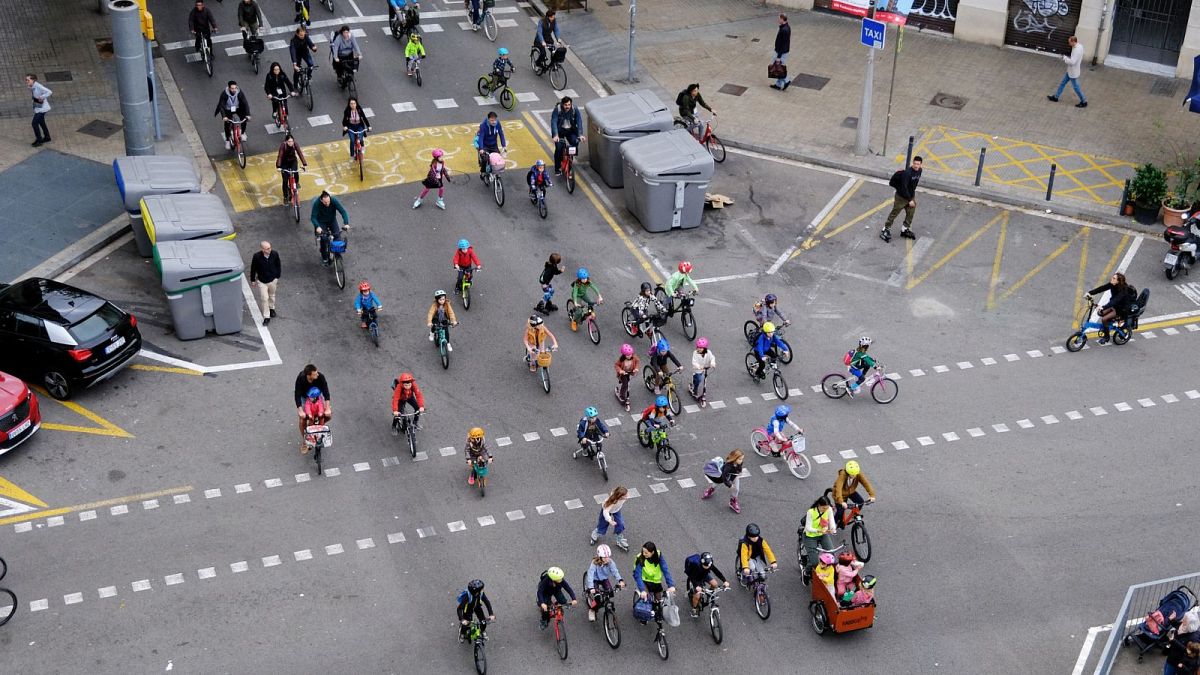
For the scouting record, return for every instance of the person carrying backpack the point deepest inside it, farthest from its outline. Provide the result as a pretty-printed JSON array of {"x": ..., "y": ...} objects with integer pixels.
[
  {"x": 472, "y": 600},
  {"x": 904, "y": 182},
  {"x": 726, "y": 472}
]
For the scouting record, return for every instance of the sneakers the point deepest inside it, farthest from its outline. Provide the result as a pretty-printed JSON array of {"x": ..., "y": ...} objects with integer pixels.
[
  {"x": 557, "y": 171},
  {"x": 272, "y": 312},
  {"x": 694, "y": 614},
  {"x": 885, "y": 234},
  {"x": 267, "y": 321},
  {"x": 709, "y": 492},
  {"x": 786, "y": 84},
  {"x": 595, "y": 537},
  {"x": 417, "y": 203},
  {"x": 303, "y": 447},
  {"x": 449, "y": 347},
  {"x": 431, "y": 336},
  {"x": 776, "y": 87},
  {"x": 441, "y": 203},
  {"x": 1081, "y": 104},
  {"x": 474, "y": 28},
  {"x": 245, "y": 136},
  {"x": 227, "y": 144},
  {"x": 733, "y": 504},
  {"x": 592, "y": 615},
  {"x": 852, "y": 390},
  {"x": 550, "y": 306},
  {"x": 1053, "y": 99},
  {"x": 1102, "y": 341},
  {"x": 542, "y": 623},
  {"x": 574, "y": 325},
  {"x": 362, "y": 324},
  {"x": 907, "y": 234},
  {"x": 541, "y": 307}
]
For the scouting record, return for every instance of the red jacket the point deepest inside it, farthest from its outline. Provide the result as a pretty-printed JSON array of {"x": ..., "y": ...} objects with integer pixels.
[
  {"x": 466, "y": 258},
  {"x": 399, "y": 393}
]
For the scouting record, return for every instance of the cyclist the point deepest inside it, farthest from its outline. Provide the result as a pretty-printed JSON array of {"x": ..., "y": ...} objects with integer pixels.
[
  {"x": 250, "y": 18},
  {"x": 650, "y": 572},
  {"x": 1120, "y": 300},
  {"x": 648, "y": 324},
  {"x": 291, "y": 158},
  {"x": 408, "y": 15},
  {"x": 688, "y": 100},
  {"x": 325, "y": 209},
  {"x": 766, "y": 344},
  {"x": 754, "y": 554},
  {"x": 858, "y": 361},
  {"x": 660, "y": 355},
  {"x": 546, "y": 34},
  {"x": 700, "y": 572},
  {"x": 438, "y": 173},
  {"x": 366, "y": 304},
  {"x": 567, "y": 125},
  {"x": 476, "y": 451},
  {"x": 581, "y": 291},
  {"x": 599, "y": 578},
  {"x": 845, "y": 489},
  {"x": 314, "y": 411},
  {"x": 727, "y": 471},
  {"x": 553, "y": 587},
  {"x": 658, "y": 414},
  {"x": 346, "y": 54},
  {"x": 501, "y": 68},
  {"x": 551, "y": 269},
  {"x": 476, "y": 14},
  {"x": 768, "y": 310},
  {"x": 414, "y": 51},
  {"x": 489, "y": 139},
  {"x": 277, "y": 85},
  {"x": 537, "y": 177},
  {"x": 702, "y": 362},
  {"x": 778, "y": 424},
  {"x": 610, "y": 514},
  {"x": 472, "y": 600},
  {"x": 301, "y": 48},
  {"x": 406, "y": 392},
  {"x": 355, "y": 123},
  {"x": 441, "y": 313},
  {"x": 464, "y": 261},
  {"x": 202, "y": 24},
  {"x": 591, "y": 428},
  {"x": 627, "y": 366},
  {"x": 677, "y": 281},
  {"x": 817, "y": 529},
  {"x": 308, "y": 378},
  {"x": 536, "y": 335},
  {"x": 230, "y": 103}
]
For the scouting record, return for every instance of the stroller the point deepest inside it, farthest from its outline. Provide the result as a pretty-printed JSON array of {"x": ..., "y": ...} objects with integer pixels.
[{"x": 1160, "y": 625}]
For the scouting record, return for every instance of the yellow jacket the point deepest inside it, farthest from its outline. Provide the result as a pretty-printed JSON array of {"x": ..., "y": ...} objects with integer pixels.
[
  {"x": 434, "y": 308},
  {"x": 748, "y": 550}
]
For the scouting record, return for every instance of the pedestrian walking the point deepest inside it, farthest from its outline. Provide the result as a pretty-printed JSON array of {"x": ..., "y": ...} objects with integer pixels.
[
  {"x": 265, "y": 270},
  {"x": 904, "y": 182},
  {"x": 725, "y": 472},
  {"x": 610, "y": 514},
  {"x": 783, "y": 44},
  {"x": 1074, "y": 61},
  {"x": 41, "y": 105}
]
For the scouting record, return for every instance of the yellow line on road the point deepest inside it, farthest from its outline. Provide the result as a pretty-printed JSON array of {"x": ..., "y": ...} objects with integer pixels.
[
  {"x": 10, "y": 490},
  {"x": 991, "y": 299},
  {"x": 1083, "y": 256},
  {"x": 842, "y": 228},
  {"x": 95, "y": 505},
  {"x": 1002, "y": 216},
  {"x": 1042, "y": 265},
  {"x": 811, "y": 240},
  {"x": 104, "y": 428},
  {"x": 1166, "y": 324},
  {"x": 165, "y": 369},
  {"x": 533, "y": 124},
  {"x": 1112, "y": 262}
]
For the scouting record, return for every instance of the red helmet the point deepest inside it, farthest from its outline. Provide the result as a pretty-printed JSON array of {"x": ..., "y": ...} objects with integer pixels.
[
  {"x": 685, "y": 267},
  {"x": 845, "y": 558},
  {"x": 406, "y": 378},
  {"x": 363, "y": 287}
]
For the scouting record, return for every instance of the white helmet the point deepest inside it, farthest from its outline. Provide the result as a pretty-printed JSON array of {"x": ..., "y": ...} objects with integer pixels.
[
  {"x": 603, "y": 551},
  {"x": 864, "y": 341}
]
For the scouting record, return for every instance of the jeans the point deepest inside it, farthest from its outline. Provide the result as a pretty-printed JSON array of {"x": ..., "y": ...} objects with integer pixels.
[
  {"x": 900, "y": 203},
  {"x": 476, "y": 14},
  {"x": 360, "y": 135},
  {"x": 602, "y": 524},
  {"x": 1074, "y": 84},
  {"x": 40, "y": 132},
  {"x": 782, "y": 58}
]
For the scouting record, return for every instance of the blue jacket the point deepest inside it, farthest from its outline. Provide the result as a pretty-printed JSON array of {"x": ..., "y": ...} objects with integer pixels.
[
  {"x": 539, "y": 37},
  {"x": 583, "y": 424},
  {"x": 662, "y": 562},
  {"x": 490, "y": 136},
  {"x": 574, "y": 119},
  {"x": 763, "y": 343},
  {"x": 372, "y": 302},
  {"x": 597, "y": 573}
]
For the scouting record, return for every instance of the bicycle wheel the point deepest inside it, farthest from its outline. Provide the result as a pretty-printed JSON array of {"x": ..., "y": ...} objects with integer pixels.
[
  {"x": 612, "y": 633},
  {"x": 1120, "y": 335},
  {"x": 542, "y": 211},
  {"x": 603, "y": 466},
  {"x": 533, "y": 61},
  {"x": 714, "y": 625},
  {"x": 885, "y": 390},
  {"x": 666, "y": 458},
  {"x": 296, "y": 206},
  {"x": 480, "y": 658},
  {"x": 484, "y": 85},
  {"x": 508, "y": 101},
  {"x": 241, "y": 152},
  {"x": 569, "y": 175},
  {"x": 673, "y": 400},
  {"x": 628, "y": 321},
  {"x": 593, "y": 330},
  {"x": 558, "y": 77},
  {"x": 648, "y": 378},
  {"x": 661, "y": 639},
  {"x": 352, "y": 87},
  {"x": 339, "y": 272},
  {"x": 466, "y": 296},
  {"x": 498, "y": 190},
  {"x": 560, "y": 638},
  {"x": 445, "y": 354},
  {"x": 3, "y": 568},
  {"x": 762, "y": 603},
  {"x": 750, "y": 330},
  {"x": 834, "y": 385},
  {"x": 481, "y": 481},
  {"x": 254, "y": 62},
  {"x": 359, "y": 158},
  {"x": 799, "y": 464},
  {"x": 760, "y": 443},
  {"x": 860, "y": 541},
  {"x": 308, "y": 94},
  {"x": 570, "y": 307},
  {"x": 643, "y": 435},
  {"x": 208, "y": 63},
  {"x": 715, "y": 148},
  {"x": 1076, "y": 342},
  {"x": 779, "y": 385},
  {"x": 374, "y": 328},
  {"x": 820, "y": 620},
  {"x": 689, "y": 324},
  {"x": 317, "y": 459},
  {"x": 752, "y": 365},
  {"x": 489, "y": 26},
  {"x": 328, "y": 4},
  {"x": 544, "y": 375},
  {"x": 8, "y": 600},
  {"x": 417, "y": 76},
  {"x": 412, "y": 441},
  {"x": 786, "y": 354}
]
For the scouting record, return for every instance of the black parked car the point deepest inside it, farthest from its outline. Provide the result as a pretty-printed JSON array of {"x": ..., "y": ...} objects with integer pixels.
[{"x": 63, "y": 337}]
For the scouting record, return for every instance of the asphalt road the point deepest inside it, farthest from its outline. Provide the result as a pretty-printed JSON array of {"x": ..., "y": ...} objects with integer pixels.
[{"x": 1014, "y": 480}]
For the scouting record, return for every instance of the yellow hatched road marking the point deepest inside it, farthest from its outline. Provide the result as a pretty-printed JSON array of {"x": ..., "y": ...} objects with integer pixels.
[
  {"x": 991, "y": 299},
  {"x": 103, "y": 428},
  {"x": 95, "y": 505},
  {"x": 11, "y": 491},
  {"x": 1042, "y": 265},
  {"x": 1002, "y": 216},
  {"x": 1079, "y": 277},
  {"x": 811, "y": 240}
]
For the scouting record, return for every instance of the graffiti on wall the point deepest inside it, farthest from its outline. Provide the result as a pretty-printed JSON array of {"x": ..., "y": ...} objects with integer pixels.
[
  {"x": 934, "y": 9},
  {"x": 1040, "y": 16}
]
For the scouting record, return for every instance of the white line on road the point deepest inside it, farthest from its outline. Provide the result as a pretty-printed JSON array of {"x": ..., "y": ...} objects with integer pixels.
[{"x": 819, "y": 217}]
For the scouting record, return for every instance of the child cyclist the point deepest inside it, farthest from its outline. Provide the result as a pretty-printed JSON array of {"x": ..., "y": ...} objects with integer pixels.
[
  {"x": 778, "y": 424},
  {"x": 476, "y": 450},
  {"x": 859, "y": 362},
  {"x": 584, "y": 294},
  {"x": 702, "y": 362},
  {"x": 464, "y": 261},
  {"x": 414, "y": 51},
  {"x": 627, "y": 366},
  {"x": 366, "y": 304},
  {"x": 501, "y": 68},
  {"x": 768, "y": 310},
  {"x": 438, "y": 173},
  {"x": 677, "y": 281},
  {"x": 537, "y": 177},
  {"x": 658, "y": 414}
]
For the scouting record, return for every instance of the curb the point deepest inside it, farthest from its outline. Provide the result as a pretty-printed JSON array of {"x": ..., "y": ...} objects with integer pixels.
[
  {"x": 208, "y": 177},
  {"x": 81, "y": 250}
]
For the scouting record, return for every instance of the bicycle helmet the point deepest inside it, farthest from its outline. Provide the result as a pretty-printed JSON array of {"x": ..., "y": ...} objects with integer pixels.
[
  {"x": 437, "y": 153},
  {"x": 475, "y": 432},
  {"x": 540, "y": 163},
  {"x": 626, "y": 350},
  {"x": 702, "y": 343},
  {"x": 591, "y": 412},
  {"x": 783, "y": 411},
  {"x": 662, "y": 402},
  {"x": 603, "y": 551},
  {"x": 555, "y": 574},
  {"x": 364, "y": 287},
  {"x": 439, "y": 293},
  {"x": 475, "y": 586},
  {"x": 503, "y": 51},
  {"x": 768, "y": 328},
  {"x": 845, "y": 558},
  {"x": 869, "y": 581},
  {"x": 770, "y": 298},
  {"x": 662, "y": 346},
  {"x": 535, "y": 320},
  {"x": 314, "y": 393},
  {"x": 464, "y": 244},
  {"x": 582, "y": 274},
  {"x": 407, "y": 378},
  {"x": 752, "y": 530},
  {"x": 826, "y": 558},
  {"x": 864, "y": 341},
  {"x": 646, "y": 287},
  {"x": 706, "y": 559},
  {"x": 685, "y": 267},
  {"x": 852, "y": 468}
]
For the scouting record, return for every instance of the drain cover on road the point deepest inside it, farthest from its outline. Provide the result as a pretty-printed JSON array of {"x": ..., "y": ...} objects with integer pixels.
[
  {"x": 99, "y": 128},
  {"x": 850, "y": 122},
  {"x": 948, "y": 101},
  {"x": 731, "y": 89},
  {"x": 57, "y": 76},
  {"x": 806, "y": 81},
  {"x": 1162, "y": 86},
  {"x": 610, "y": 3}
]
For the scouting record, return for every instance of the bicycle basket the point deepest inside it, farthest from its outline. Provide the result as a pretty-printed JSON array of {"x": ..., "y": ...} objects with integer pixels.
[
  {"x": 496, "y": 161},
  {"x": 337, "y": 246},
  {"x": 543, "y": 359},
  {"x": 643, "y": 610},
  {"x": 481, "y": 469},
  {"x": 559, "y": 55}
]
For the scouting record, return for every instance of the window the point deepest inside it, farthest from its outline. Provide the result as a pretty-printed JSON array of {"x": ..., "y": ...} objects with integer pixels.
[
  {"x": 28, "y": 326},
  {"x": 97, "y": 325}
]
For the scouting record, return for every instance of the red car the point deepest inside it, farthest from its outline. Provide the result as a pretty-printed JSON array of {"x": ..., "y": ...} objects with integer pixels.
[{"x": 20, "y": 417}]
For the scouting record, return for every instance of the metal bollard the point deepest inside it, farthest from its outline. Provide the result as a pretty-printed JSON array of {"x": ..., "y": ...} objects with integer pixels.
[
  {"x": 979, "y": 168},
  {"x": 1124, "y": 199},
  {"x": 1050, "y": 184},
  {"x": 908, "y": 157}
]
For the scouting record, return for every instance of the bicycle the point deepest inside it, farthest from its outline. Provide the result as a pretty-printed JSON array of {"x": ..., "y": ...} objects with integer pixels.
[
  {"x": 405, "y": 423},
  {"x": 593, "y": 449},
  {"x": 485, "y": 18},
  {"x": 477, "y": 636},
  {"x": 664, "y": 455},
  {"x": 371, "y": 318},
  {"x": 316, "y": 437},
  {"x": 568, "y": 164},
  {"x": 777, "y": 381},
  {"x": 852, "y": 517},
  {"x": 660, "y": 635},
  {"x": 489, "y": 84},
  {"x": 293, "y": 189},
  {"x": 586, "y": 316},
  {"x": 346, "y": 80},
  {"x": 304, "y": 84},
  {"x": 235, "y": 139},
  {"x": 253, "y": 46},
  {"x": 281, "y": 117},
  {"x": 7, "y": 607},
  {"x": 792, "y": 451},
  {"x": 709, "y": 599},
  {"x": 403, "y": 24},
  {"x": 651, "y": 377},
  {"x": 336, "y": 248},
  {"x": 883, "y": 388},
  {"x": 206, "y": 53},
  {"x": 758, "y": 590},
  {"x": 464, "y": 288},
  {"x": 441, "y": 338},
  {"x": 634, "y": 326},
  {"x": 357, "y": 153},
  {"x": 480, "y": 470},
  {"x": 414, "y": 69},
  {"x": 1119, "y": 331},
  {"x": 539, "y": 197},
  {"x": 328, "y": 5},
  {"x": 683, "y": 308},
  {"x": 705, "y": 137},
  {"x": 490, "y": 176},
  {"x": 751, "y": 330},
  {"x": 543, "y": 366},
  {"x": 559, "y": 622},
  {"x": 806, "y": 570},
  {"x": 558, "y": 75},
  {"x": 607, "y": 609}
]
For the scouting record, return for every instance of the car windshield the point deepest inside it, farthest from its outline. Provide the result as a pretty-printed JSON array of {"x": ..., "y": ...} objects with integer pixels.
[{"x": 97, "y": 324}]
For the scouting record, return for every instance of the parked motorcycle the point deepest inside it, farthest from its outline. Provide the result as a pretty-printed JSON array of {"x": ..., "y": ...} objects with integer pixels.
[{"x": 1184, "y": 241}]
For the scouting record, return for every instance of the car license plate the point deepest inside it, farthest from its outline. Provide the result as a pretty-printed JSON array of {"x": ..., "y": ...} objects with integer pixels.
[
  {"x": 114, "y": 346},
  {"x": 1171, "y": 259},
  {"x": 20, "y": 428}
]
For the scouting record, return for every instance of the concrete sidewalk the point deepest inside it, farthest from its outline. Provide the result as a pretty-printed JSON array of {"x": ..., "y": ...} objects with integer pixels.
[{"x": 953, "y": 97}]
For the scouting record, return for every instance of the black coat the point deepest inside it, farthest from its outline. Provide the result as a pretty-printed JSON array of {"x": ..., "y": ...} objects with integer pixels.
[
  {"x": 280, "y": 82},
  {"x": 1120, "y": 300},
  {"x": 243, "y": 106},
  {"x": 783, "y": 39},
  {"x": 904, "y": 182}
]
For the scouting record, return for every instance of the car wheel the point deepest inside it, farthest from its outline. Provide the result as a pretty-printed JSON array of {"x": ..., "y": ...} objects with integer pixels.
[{"x": 57, "y": 385}]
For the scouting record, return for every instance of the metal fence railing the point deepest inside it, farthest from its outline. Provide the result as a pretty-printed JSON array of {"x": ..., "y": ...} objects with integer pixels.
[{"x": 1140, "y": 600}]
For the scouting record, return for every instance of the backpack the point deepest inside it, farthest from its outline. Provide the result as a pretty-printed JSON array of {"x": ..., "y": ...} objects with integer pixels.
[
  {"x": 643, "y": 610},
  {"x": 464, "y": 594},
  {"x": 849, "y": 357},
  {"x": 714, "y": 467},
  {"x": 895, "y": 180},
  {"x": 683, "y": 95}
]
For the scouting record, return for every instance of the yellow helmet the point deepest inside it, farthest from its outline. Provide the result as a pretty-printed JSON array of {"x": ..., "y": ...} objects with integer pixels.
[
  {"x": 476, "y": 432},
  {"x": 852, "y": 468},
  {"x": 768, "y": 327},
  {"x": 555, "y": 574}
]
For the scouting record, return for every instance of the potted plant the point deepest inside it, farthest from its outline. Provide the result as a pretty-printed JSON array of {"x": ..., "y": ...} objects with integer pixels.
[
  {"x": 1180, "y": 199},
  {"x": 1147, "y": 191}
]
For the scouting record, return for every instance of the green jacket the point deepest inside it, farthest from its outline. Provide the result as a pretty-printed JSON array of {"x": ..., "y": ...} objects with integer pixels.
[
  {"x": 583, "y": 295},
  {"x": 687, "y": 105}
]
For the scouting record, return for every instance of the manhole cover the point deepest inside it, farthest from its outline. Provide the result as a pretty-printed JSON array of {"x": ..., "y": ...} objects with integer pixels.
[
  {"x": 99, "y": 128},
  {"x": 806, "y": 81},
  {"x": 948, "y": 101},
  {"x": 57, "y": 76},
  {"x": 104, "y": 46},
  {"x": 850, "y": 122},
  {"x": 613, "y": 3},
  {"x": 1162, "y": 86},
  {"x": 731, "y": 89}
]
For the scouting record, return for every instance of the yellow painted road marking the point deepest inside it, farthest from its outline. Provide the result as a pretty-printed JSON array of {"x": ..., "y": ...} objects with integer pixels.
[
  {"x": 1042, "y": 265},
  {"x": 95, "y": 505},
  {"x": 1079, "y": 277},
  {"x": 991, "y": 299},
  {"x": 390, "y": 158},
  {"x": 1002, "y": 216},
  {"x": 11, "y": 491},
  {"x": 165, "y": 369},
  {"x": 604, "y": 212},
  {"x": 811, "y": 240},
  {"x": 103, "y": 428}
]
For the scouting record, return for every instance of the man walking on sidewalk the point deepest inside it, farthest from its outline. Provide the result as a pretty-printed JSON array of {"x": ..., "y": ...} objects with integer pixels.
[
  {"x": 1074, "y": 61},
  {"x": 783, "y": 44},
  {"x": 904, "y": 182},
  {"x": 41, "y": 106},
  {"x": 265, "y": 270}
]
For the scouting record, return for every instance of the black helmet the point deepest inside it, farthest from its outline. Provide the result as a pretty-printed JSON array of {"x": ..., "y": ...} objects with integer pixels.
[
  {"x": 752, "y": 530},
  {"x": 706, "y": 559},
  {"x": 646, "y": 286},
  {"x": 475, "y": 586}
]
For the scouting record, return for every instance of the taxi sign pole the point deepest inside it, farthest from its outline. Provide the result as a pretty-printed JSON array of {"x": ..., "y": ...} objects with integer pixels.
[
  {"x": 862, "y": 138},
  {"x": 892, "y": 87}
]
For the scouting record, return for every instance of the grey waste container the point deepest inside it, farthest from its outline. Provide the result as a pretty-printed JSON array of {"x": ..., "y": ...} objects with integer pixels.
[
  {"x": 151, "y": 175},
  {"x": 185, "y": 217},
  {"x": 615, "y": 119},
  {"x": 665, "y": 178},
  {"x": 203, "y": 283}
]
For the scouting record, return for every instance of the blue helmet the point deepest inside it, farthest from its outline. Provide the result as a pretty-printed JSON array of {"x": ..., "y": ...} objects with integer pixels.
[
  {"x": 503, "y": 51},
  {"x": 464, "y": 244},
  {"x": 582, "y": 274},
  {"x": 662, "y": 346},
  {"x": 783, "y": 411},
  {"x": 314, "y": 393},
  {"x": 591, "y": 411},
  {"x": 662, "y": 402},
  {"x": 540, "y": 162}
]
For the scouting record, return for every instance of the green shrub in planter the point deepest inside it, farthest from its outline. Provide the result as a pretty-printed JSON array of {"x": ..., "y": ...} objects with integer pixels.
[{"x": 1148, "y": 188}]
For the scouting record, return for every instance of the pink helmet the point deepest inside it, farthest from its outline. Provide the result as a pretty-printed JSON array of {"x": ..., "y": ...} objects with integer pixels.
[
  {"x": 437, "y": 153},
  {"x": 826, "y": 558},
  {"x": 626, "y": 350},
  {"x": 701, "y": 343}
]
